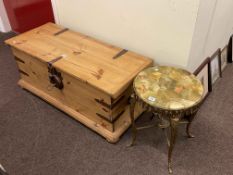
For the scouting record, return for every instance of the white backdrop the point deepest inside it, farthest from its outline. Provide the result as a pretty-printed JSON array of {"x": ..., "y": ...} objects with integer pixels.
[
  {"x": 160, "y": 29},
  {"x": 213, "y": 29},
  {"x": 172, "y": 32}
]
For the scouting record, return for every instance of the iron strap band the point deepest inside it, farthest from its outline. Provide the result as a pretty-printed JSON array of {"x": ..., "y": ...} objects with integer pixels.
[
  {"x": 22, "y": 72},
  {"x": 55, "y": 60},
  {"x": 122, "y": 52},
  {"x": 61, "y": 31},
  {"x": 112, "y": 120}
]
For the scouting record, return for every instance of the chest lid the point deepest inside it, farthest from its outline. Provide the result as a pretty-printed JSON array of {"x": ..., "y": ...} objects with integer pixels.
[{"x": 101, "y": 65}]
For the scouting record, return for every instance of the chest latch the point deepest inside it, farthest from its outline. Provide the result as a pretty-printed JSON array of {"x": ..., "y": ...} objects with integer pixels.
[{"x": 55, "y": 77}]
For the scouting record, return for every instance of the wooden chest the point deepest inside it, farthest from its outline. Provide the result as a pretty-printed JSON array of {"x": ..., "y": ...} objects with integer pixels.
[{"x": 87, "y": 79}]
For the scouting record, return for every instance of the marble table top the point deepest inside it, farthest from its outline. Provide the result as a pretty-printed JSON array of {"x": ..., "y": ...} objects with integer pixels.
[{"x": 168, "y": 88}]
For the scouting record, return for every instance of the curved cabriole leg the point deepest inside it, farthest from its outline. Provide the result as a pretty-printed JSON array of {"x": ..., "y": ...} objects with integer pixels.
[
  {"x": 173, "y": 125},
  {"x": 133, "y": 128},
  {"x": 166, "y": 135},
  {"x": 164, "y": 127},
  {"x": 190, "y": 119}
]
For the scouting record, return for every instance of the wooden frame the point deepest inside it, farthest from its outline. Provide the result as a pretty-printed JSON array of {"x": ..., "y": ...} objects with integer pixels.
[
  {"x": 215, "y": 67},
  {"x": 230, "y": 50},
  {"x": 224, "y": 57},
  {"x": 202, "y": 73}
]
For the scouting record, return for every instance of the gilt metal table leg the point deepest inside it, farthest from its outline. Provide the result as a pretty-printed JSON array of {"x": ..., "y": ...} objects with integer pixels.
[
  {"x": 164, "y": 126},
  {"x": 173, "y": 125},
  {"x": 166, "y": 135},
  {"x": 190, "y": 119},
  {"x": 133, "y": 128}
]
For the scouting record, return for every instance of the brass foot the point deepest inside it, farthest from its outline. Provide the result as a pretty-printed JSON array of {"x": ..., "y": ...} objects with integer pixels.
[
  {"x": 188, "y": 131},
  {"x": 130, "y": 145},
  {"x": 169, "y": 168},
  {"x": 190, "y": 135},
  {"x": 134, "y": 133}
]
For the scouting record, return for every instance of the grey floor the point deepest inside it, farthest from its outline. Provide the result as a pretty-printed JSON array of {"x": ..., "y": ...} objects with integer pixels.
[{"x": 38, "y": 139}]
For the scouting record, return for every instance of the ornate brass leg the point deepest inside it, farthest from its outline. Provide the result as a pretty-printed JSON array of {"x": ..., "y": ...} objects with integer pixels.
[
  {"x": 164, "y": 125},
  {"x": 133, "y": 129},
  {"x": 173, "y": 124},
  {"x": 190, "y": 119},
  {"x": 166, "y": 135}
]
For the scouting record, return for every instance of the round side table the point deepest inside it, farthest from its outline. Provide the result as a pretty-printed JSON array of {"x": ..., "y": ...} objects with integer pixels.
[{"x": 172, "y": 94}]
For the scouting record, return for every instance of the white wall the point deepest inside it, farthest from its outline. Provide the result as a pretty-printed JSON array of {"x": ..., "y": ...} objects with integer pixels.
[
  {"x": 172, "y": 32},
  {"x": 222, "y": 26},
  {"x": 4, "y": 22},
  {"x": 200, "y": 36},
  {"x": 213, "y": 29},
  {"x": 160, "y": 29}
]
